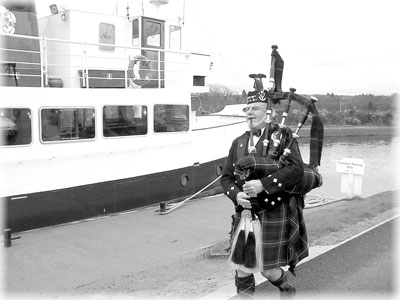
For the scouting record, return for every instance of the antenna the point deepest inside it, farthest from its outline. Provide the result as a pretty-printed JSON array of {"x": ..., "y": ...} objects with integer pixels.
[
  {"x": 127, "y": 9},
  {"x": 184, "y": 12}
]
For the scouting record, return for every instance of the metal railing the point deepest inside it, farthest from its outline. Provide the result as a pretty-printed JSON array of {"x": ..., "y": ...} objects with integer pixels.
[{"x": 48, "y": 61}]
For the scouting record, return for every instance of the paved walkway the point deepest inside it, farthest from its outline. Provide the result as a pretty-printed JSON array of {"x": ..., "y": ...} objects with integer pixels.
[
  {"x": 66, "y": 256},
  {"x": 61, "y": 258}
]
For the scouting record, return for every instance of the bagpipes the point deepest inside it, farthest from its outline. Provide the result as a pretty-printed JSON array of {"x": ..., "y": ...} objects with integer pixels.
[{"x": 272, "y": 159}]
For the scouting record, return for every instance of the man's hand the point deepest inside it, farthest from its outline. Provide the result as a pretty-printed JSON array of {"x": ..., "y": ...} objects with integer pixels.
[
  {"x": 241, "y": 199},
  {"x": 253, "y": 187}
]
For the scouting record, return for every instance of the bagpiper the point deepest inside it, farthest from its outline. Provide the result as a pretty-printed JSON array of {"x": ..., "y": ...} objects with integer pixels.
[{"x": 266, "y": 179}]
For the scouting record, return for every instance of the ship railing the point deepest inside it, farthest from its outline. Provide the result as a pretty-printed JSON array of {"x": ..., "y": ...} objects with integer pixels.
[{"x": 48, "y": 62}]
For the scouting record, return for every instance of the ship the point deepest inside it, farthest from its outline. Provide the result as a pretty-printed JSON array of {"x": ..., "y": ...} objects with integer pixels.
[{"x": 98, "y": 114}]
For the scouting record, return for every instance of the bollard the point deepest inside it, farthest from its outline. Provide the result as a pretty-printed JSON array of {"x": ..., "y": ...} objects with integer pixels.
[
  {"x": 162, "y": 207},
  {"x": 7, "y": 238}
]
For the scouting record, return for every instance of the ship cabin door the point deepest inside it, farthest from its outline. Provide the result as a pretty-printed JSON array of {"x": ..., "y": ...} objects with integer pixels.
[{"x": 152, "y": 35}]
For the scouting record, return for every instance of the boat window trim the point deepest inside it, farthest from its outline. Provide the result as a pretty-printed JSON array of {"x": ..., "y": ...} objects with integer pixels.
[
  {"x": 67, "y": 140},
  {"x": 31, "y": 127},
  {"x": 124, "y": 136},
  {"x": 144, "y": 35},
  {"x": 106, "y": 37},
  {"x": 172, "y": 132},
  {"x": 136, "y": 29}
]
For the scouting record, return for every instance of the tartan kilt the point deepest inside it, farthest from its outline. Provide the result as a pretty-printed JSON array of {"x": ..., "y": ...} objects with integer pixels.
[{"x": 284, "y": 235}]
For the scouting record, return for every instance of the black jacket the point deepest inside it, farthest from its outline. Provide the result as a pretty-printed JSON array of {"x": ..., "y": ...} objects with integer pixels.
[{"x": 275, "y": 184}]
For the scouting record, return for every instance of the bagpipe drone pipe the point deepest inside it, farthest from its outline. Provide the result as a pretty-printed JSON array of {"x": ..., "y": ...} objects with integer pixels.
[{"x": 280, "y": 141}]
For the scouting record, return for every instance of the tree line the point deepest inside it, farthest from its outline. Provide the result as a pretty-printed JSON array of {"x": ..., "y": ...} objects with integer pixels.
[{"x": 364, "y": 109}]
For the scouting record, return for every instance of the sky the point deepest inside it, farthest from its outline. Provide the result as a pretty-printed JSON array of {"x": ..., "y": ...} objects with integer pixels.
[
  {"x": 341, "y": 47},
  {"x": 345, "y": 47}
]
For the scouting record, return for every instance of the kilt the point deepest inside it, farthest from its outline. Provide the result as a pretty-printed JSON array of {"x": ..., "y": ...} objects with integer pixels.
[{"x": 284, "y": 235}]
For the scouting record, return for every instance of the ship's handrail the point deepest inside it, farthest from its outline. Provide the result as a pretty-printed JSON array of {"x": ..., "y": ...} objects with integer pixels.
[
  {"x": 49, "y": 61},
  {"x": 28, "y": 37}
]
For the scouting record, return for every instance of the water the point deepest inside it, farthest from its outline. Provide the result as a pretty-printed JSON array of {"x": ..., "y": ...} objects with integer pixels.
[{"x": 382, "y": 165}]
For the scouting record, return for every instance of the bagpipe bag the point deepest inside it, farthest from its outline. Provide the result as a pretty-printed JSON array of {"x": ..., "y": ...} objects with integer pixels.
[
  {"x": 260, "y": 166},
  {"x": 254, "y": 167}
]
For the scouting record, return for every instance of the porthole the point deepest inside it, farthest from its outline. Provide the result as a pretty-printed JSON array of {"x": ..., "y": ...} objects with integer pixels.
[
  {"x": 219, "y": 170},
  {"x": 184, "y": 180}
]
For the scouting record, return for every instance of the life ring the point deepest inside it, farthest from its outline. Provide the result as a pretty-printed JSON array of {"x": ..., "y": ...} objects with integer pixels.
[{"x": 144, "y": 63}]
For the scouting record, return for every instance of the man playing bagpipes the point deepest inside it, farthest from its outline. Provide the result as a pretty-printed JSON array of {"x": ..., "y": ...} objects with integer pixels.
[{"x": 266, "y": 179}]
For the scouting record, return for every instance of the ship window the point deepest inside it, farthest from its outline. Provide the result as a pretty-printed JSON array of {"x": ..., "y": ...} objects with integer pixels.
[
  {"x": 174, "y": 37},
  {"x": 171, "y": 118},
  {"x": 106, "y": 36},
  {"x": 65, "y": 124},
  {"x": 135, "y": 33},
  {"x": 153, "y": 34},
  {"x": 199, "y": 80},
  {"x": 119, "y": 120},
  {"x": 15, "y": 126}
]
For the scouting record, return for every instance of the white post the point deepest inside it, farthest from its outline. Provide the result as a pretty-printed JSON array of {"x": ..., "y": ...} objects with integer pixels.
[
  {"x": 85, "y": 70},
  {"x": 43, "y": 63},
  {"x": 159, "y": 68}
]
